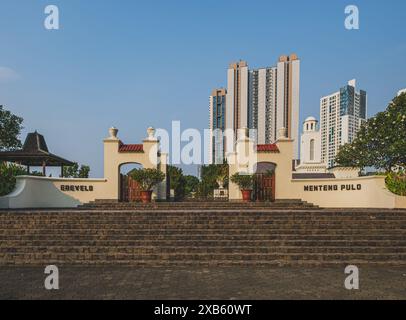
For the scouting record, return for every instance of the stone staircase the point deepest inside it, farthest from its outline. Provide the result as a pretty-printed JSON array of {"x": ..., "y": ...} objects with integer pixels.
[
  {"x": 204, "y": 205},
  {"x": 196, "y": 236}
]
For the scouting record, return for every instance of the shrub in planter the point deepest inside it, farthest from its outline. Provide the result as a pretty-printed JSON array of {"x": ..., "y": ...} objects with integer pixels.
[
  {"x": 396, "y": 183},
  {"x": 147, "y": 179},
  {"x": 245, "y": 183}
]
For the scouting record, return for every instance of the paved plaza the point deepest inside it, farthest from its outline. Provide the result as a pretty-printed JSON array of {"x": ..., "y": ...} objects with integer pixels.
[{"x": 202, "y": 283}]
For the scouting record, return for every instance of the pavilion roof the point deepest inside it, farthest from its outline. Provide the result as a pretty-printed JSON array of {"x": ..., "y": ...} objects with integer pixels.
[{"x": 34, "y": 153}]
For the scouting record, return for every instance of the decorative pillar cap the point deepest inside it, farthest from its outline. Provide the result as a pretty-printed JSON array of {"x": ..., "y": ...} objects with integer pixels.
[
  {"x": 113, "y": 133},
  {"x": 151, "y": 133}
]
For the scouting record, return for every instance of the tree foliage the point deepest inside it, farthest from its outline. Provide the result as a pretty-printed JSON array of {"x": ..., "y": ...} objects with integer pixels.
[
  {"x": 8, "y": 174},
  {"x": 211, "y": 175},
  {"x": 244, "y": 181},
  {"x": 396, "y": 182},
  {"x": 380, "y": 142},
  {"x": 10, "y": 129},
  {"x": 191, "y": 184},
  {"x": 147, "y": 178},
  {"x": 177, "y": 181},
  {"x": 183, "y": 185},
  {"x": 75, "y": 171}
]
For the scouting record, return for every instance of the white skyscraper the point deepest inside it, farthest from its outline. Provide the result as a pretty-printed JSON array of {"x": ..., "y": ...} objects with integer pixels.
[
  {"x": 341, "y": 115},
  {"x": 263, "y": 103},
  {"x": 265, "y": 99}
]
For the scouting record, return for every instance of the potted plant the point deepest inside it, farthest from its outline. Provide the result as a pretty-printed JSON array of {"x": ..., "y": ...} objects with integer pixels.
[
  {"x": 222, "y": 175},
  {"x": 245, "y": 183},
  {"x": 147, "y": 179}
]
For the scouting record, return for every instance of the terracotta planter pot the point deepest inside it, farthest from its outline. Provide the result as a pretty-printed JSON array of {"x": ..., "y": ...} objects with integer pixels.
[
  {"x": 146, "y": 196},
  {"x": 246, "y": 195}
]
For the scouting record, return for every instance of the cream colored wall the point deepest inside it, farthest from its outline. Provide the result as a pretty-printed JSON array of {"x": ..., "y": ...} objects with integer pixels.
[
  {"x": 35, "y": 192},
  {"x": 283, "y": 170},
  {"x": 113, "y": 159},
  {"x": 43, "y": 192},
  {"x": 373, "y": 193}
]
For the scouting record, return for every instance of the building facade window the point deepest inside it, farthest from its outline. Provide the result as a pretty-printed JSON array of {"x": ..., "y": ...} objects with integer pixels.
[{"x": 312, "y": 150}]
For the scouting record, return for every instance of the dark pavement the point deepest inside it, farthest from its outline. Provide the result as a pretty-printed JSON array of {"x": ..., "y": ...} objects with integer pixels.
[{"x": 202, "y": 283}]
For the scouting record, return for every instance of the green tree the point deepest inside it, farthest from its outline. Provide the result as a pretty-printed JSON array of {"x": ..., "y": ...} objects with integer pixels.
[
  {"x": 210, "y": 175},
  {"x": 84, "y": 171},
  {"x": 10, "y": 129},
  {"x": 380, "y": 142},
  {"x": 147, "y": 178},
  {"x": 191, "y": 184},
  {"x": 8, "y": 174},
  {"x": 75, "y": 172},
  {"x": 396, "y": 182},
  {"x": 177, "y": 181}
]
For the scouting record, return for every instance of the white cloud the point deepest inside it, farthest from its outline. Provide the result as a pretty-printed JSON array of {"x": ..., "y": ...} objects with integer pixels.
[{"x": 8, "y": 74}]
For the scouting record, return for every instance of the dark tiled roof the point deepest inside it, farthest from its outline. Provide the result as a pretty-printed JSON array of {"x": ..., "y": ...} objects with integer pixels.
[
  {"x": 131, "y": 148},
  {"x": 34, "y": 153},
  {"x": 267, "y": 148},
  {"x": 313, "y": 176},
  {"x": 35, "y": 142}
]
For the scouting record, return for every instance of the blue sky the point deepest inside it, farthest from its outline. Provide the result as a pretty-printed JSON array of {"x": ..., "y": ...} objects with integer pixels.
[{"x": 133, "y": 64}]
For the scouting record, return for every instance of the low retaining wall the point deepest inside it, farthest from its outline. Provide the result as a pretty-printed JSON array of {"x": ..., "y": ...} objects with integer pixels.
[
  {"x": 361, "y": 192},
  {"x": 43, "y": 192}
]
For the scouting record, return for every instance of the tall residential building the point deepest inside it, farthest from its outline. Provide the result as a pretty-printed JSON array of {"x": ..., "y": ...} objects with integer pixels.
[
  {"x": 265, "y": 99},
  {"x": 341, "y": 115},
  {"x": 262, "y": 107},
  {"x": 217, "y": 125},
  {"x": 237, "y": 96}
]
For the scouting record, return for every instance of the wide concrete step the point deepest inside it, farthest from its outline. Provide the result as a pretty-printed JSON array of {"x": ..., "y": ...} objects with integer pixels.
[
  {"x": 200, "y": 204},
  {"x": 192, "y": 230},
  {"x": 133, "y": 226},
  {"x": 179, "y": 257},
  {"x": 163, "y": 250},
  {"x": 203, "y": 237},
  {"x": 22, "y": 261},
  {"x": 286, "y": 214},
  {"x": 164, "y": 221},
  {"x": 202, "y": 243},
  {"x": 173, "y": 223}
]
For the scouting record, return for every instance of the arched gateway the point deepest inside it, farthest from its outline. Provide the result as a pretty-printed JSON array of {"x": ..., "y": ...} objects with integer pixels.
[
  {"x": 147, "y": 155},
  {"x": 264, "y": 182},
  {"x": 45, "y": 192}
]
